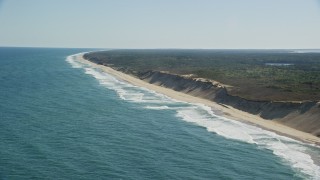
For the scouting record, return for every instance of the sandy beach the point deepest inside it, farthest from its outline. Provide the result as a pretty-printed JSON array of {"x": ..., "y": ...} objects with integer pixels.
[{"x": 226, "y": 111}]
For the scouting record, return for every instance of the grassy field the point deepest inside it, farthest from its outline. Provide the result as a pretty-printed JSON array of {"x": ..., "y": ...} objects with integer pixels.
[{"x": 278, "y": 75}]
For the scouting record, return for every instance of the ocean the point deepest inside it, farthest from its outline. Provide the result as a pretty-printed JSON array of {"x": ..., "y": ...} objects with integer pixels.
[{"x": 60, "y": 119}]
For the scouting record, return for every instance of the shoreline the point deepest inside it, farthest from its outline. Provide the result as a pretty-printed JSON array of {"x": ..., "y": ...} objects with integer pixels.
[{"x": 226, "y": 111}]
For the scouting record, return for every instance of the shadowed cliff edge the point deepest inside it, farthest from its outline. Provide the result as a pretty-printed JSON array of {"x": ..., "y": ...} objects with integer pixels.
[{"x": 300, "y": 115}]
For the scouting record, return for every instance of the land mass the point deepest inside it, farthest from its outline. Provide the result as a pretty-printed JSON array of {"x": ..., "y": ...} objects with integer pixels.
[
  {"x": 271, "y": 75},
  {"x": 261, "y": 85}
]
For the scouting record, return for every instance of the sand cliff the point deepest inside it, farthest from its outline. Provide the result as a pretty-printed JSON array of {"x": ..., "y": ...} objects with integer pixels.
[{"x": 300, "y": 120}]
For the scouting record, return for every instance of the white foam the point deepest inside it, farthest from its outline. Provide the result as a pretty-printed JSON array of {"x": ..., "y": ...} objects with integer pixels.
[
  {"x": 291, "y": 151},
  {"x": 213, "y": 123},
  {"x": 126, "y": 91},
  {"x": 74, "y": 64},
  {"x": 157, "y": 107}
]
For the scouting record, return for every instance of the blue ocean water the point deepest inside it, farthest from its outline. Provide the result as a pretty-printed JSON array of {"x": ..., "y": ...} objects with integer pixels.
[{"x": 61, "y": 119}]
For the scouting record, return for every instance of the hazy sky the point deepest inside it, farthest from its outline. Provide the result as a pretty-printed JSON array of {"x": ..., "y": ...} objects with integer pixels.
[{"x": 161, "y": 23}]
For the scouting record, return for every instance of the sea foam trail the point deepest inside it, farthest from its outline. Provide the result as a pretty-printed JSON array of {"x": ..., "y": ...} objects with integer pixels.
[
  {"x": 72, "y": 61},
  {"x": 293, "y": 152}
]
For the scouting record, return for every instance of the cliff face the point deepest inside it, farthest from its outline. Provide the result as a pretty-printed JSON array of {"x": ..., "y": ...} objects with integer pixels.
[{"x": 304, "y": 116}]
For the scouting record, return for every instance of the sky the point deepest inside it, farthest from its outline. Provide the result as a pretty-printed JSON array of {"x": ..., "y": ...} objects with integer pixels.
[{"x": 200, "y": 24}]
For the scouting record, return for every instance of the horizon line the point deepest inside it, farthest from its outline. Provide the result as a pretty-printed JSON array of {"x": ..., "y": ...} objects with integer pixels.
[{"x": 164, "y": 48}]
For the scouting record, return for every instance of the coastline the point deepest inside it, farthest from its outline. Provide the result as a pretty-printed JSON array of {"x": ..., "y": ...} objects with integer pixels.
[{"x": 226, "y": 111}]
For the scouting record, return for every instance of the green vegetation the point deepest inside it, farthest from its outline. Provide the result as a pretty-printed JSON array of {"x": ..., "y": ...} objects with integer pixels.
[{"x": 246, "y": 71}]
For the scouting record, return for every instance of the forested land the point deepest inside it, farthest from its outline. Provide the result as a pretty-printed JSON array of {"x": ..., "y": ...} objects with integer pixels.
[{"x": 277, "y": 75}]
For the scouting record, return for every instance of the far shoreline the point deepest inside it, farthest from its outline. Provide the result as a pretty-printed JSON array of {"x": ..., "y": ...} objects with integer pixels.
[{"x": 226, "y": 111}]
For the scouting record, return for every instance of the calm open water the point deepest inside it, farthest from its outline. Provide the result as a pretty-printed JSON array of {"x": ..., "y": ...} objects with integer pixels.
[{"x": 60, "y": 119}]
